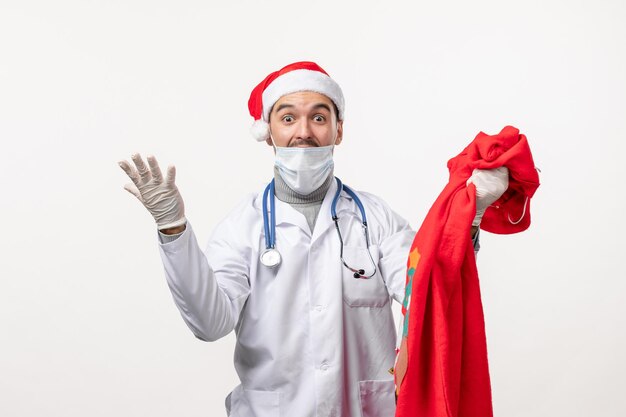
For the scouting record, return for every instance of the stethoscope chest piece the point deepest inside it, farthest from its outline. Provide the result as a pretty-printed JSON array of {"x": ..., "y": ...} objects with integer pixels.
[{"x": 270, "y": 258}]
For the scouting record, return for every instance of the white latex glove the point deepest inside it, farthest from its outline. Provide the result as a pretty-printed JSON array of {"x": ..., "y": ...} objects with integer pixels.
[
  {"x": 490, "y": 185},
  {"x": 161, "y": 197}
]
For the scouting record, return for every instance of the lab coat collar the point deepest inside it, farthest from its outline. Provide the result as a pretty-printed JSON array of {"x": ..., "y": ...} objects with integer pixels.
[{"x": 287, "y": 215}]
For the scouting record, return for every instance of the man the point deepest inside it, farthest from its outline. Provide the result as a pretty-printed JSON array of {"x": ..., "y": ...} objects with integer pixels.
[{"x": 307, "y": 293}]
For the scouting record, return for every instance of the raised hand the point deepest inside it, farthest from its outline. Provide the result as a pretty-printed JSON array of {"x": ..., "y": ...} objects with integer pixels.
[{"x": 160, "y": 196}]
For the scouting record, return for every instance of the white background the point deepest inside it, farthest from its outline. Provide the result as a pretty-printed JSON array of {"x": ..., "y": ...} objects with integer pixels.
[{"x": 87, "y": 323}]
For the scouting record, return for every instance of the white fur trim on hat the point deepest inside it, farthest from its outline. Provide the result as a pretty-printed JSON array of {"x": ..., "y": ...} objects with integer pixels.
[
  {"x": 260, "y": 130},
  {"x": 302, "y": 80}
]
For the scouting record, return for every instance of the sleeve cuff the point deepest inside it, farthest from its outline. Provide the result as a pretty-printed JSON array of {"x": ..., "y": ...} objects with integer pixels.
[
  {"x": 476, "y": 240},
  {"x": 163, "y": 238}
]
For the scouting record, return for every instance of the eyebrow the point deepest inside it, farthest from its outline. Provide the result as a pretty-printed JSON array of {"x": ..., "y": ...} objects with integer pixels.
[
  {"x": 283, "y": 106},
  {"x": 322, "y": 106},
  {"x": 317, "y": 106}
]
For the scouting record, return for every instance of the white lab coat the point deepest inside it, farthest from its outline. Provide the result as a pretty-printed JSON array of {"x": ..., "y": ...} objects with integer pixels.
[{"x": 311, "y": 339}]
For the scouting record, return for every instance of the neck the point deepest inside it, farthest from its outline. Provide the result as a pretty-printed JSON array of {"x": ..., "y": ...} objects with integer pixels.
[{"x": 287, "y": 195}]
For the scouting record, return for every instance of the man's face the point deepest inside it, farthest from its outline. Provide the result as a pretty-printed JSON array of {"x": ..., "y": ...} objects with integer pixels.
[{"x": 304, "y": 119}]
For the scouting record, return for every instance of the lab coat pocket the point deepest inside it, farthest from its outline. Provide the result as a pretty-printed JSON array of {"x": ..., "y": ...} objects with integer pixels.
[
  {"x": 363, "y": 292},
  {"x": 377, "y": 398},
  {"x": 252, "y": 403}
]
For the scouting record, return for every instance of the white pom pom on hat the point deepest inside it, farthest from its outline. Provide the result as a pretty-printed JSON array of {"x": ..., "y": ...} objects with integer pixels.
[
  {"x": 260, "y": 130},
  {"x": 299, "y": 76}
]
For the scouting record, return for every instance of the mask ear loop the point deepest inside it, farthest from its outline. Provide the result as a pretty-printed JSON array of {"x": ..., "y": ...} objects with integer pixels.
[
  {"x": 273, "y": 141},
  {"x": 523, "y": 213}
]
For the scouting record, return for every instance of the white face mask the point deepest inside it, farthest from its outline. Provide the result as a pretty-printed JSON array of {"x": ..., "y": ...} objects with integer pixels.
[{"x": 304, "y": 169}]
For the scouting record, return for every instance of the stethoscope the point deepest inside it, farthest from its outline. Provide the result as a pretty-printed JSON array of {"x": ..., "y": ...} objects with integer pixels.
[{"x": 271, "y": 257}]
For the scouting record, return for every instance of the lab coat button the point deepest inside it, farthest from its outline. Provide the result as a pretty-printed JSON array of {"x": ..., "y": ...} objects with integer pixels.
[
  {"x": 324, "y": 366},
  {"x": 318, "y": 308}
]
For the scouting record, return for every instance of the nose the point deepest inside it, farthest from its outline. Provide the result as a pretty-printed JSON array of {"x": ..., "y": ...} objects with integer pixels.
[{"x": 304, "y": 129}]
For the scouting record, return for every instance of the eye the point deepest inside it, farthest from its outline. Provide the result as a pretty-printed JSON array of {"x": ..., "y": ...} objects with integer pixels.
[
  {"x": 319, "y": 118},
  {"x": 288, "y": 118}
]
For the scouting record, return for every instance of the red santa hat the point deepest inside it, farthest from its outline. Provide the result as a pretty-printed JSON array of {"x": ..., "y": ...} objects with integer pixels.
[{"x": 299, "y": 76}]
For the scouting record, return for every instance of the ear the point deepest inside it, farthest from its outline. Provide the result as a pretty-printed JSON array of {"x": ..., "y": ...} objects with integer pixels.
[
  {"x": 269, "y": 141},
  {"x": 339, "y": 132}
]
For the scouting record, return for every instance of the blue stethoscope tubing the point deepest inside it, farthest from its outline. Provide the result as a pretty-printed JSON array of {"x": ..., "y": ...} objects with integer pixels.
[{"x": 271, "y": 257}]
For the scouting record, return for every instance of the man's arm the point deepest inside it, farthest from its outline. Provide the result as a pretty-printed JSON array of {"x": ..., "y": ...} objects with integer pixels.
[
  {"x": 210, "y": 298},
  {"x": 209, "y": 310}
]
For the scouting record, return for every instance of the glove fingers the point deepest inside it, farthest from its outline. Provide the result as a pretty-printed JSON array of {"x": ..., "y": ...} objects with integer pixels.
[
  {"x": 503, "y": 174},
  {"x": 489, "y": 179},
  {"x": 171, "y": 174},
  {"x": 157, "y": 176},
  {"x": 130, "y": 171},
  {"x": 143, "y": 170},
  {"x": 131, "y": 188},
  {"x": 502, "y": 170}
]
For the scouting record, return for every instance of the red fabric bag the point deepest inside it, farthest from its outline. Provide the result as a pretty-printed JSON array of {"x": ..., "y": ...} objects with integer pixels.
[{"x": 447, "y": 373}]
